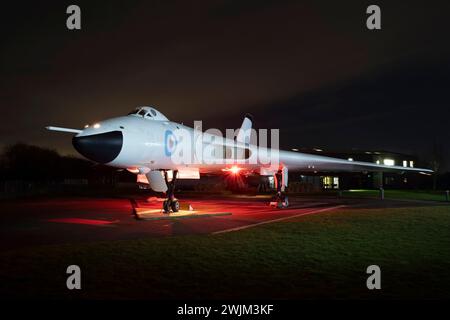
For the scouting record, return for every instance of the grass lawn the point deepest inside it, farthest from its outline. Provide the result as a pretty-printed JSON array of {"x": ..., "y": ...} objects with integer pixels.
[
  {"x": 317, "y": 256},
  {"x": 398, "y": 194}
]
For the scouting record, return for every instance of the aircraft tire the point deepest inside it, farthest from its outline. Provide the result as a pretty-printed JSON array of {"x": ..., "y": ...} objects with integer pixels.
[
  {"x": 166, "y": 206},
  {"x": 175, "y": 205}
]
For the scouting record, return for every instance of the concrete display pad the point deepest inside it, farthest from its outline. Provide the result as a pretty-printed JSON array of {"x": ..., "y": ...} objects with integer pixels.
[{"x": 158, "y": 214}]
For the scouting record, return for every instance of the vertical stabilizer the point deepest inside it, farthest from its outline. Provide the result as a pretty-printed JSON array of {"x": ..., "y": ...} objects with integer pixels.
[{"x": 245, "y": 130}]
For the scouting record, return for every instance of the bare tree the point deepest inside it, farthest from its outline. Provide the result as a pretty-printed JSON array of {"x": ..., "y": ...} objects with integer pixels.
[{"x": 437, "y": 160}]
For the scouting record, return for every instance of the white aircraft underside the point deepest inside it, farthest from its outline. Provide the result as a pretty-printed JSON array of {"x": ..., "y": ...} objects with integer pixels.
[{"x": 141, "y": 143}]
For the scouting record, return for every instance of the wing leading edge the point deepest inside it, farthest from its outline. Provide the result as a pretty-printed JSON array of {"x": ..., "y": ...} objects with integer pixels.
[{"x": 308, "y": 162}]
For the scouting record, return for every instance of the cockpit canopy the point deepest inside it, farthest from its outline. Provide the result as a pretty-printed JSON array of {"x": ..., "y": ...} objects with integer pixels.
[{"x": 149, "y": 113}]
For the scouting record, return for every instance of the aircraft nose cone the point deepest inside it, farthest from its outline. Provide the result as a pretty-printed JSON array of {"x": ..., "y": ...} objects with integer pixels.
[{"x": 101, "y": 148}]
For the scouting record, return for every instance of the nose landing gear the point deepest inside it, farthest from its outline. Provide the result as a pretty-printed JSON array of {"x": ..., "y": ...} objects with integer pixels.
[{"x": 171, "y": 204}]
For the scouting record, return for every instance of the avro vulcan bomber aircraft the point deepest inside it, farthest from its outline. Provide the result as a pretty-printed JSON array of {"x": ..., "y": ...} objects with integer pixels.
[{"x": 160, "y": 151}]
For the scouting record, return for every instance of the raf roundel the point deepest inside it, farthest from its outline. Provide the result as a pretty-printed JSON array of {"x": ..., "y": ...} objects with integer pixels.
[{"x": 169, "y": 143}]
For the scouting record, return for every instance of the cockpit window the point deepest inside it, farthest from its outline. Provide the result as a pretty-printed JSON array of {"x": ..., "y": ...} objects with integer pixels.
[{"x": 148, "y": 113}]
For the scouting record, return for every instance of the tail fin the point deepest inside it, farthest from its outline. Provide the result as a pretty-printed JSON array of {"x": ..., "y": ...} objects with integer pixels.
[{"x": 245, "y": 130}]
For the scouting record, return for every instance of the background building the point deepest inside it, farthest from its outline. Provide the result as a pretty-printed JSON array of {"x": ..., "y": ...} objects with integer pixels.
[{"x": 364, "y": 180}]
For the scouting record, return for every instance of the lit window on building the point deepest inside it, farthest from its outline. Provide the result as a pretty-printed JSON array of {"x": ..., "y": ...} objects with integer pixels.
[
  {"x": 377, "y": 162},
  {"x": 330, "y": 182},
  {"x": 389, "y": 162},
  {"x": 411, "y": 164},
  {"x": 405, "y": 163},
  {"x": 336, "y": 182}
]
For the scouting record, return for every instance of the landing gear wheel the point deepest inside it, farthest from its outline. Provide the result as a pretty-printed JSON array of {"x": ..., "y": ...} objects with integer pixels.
[
  {"x": 175, "y": 206},
  {"x": 286, "y": 202},
  {"x": 282, "y": 202},
  {"x": 166, "y": 206}
]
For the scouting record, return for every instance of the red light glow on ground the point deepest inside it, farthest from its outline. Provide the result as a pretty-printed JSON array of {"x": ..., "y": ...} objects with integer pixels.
[{"x": 82, "y": 221}]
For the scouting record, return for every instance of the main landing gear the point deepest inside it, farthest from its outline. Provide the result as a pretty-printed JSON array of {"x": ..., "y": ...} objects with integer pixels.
[
  {"x": 280, "y": 200},
  {"x": 171, "y": 204}
]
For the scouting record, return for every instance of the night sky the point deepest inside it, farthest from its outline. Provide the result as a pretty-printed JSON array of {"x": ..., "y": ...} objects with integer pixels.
[{"x": 310, "y": 68}]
